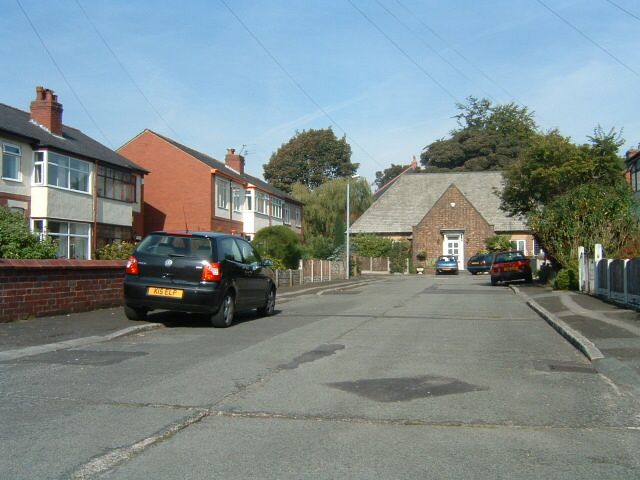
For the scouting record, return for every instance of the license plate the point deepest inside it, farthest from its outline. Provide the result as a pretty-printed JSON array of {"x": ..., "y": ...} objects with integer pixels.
[
  {"x": 165, "y": 292},
  {"x": 474, "y": 263},
  {"x": 511, "y": 269}
]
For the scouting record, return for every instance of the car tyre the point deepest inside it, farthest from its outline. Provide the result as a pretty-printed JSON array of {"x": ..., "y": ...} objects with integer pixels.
[
  {"x": 529, "y": 278},
  {"x": 473, "y": 273},
  {"x": 494, "y": 281},
  {"x": 135, "y": 313},
  {"x": 269, "y": 305},
  {"x": 223, "y": 318}
]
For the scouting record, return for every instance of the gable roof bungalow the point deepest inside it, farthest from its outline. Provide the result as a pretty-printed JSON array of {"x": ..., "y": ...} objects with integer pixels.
[
  {"x": 189, "y": 189},
  {"x": 444, "y": 213},
  {"x": 69, "y": 186}
]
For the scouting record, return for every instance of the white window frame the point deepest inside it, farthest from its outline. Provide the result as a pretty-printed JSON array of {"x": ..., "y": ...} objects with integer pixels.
[
  {"x": 41, "y": 227},
  {"x": 248, "y": 200},
  {"x": 39, "y": 163},
  {"x": 286, "y": 214},
  {"x": 520, "y": 244},
  {"x": 67, "y": 171},
  {"x": 262, "y": 203},
  {"x": 298, "y": 216},
  {"x": 222, "y": 194},
  {"x": 276, "y": 207},
  {"x": 14, "y": 156},
  {"x": 237, "y": 199}
]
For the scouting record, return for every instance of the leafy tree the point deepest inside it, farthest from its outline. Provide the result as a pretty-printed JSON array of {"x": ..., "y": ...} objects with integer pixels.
[
  {"x": 311, "y": 158},
  {"x": 497, "y": 243},
  {"x": 488, "y": 138},
  {"x": 16, "y": 241},
  {"x": 388, "y": 174},
  {"x": 318, "y": 247},
  {"x": 583, "y": 216},
  {"x": 328, "y": 202},
  {"x": 279, "y": 243},
  {"x": 372, "y": 245},
  {"x": 553, "y": 165}
]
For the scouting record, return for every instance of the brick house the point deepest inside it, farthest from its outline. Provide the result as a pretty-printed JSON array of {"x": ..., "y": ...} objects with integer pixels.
[
  {"x": 189, "y": 189},
  {"x": 444, "y": 213},
  {"x": 632, "y": 163},
  {"x": 67, "y": 184}
]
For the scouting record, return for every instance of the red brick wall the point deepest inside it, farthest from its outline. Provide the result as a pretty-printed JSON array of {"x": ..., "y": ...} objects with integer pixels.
[
  {"x": 427, "y": 234},
  {"x": 177, "y": 186},
  {"x": 36, "y": 288}
]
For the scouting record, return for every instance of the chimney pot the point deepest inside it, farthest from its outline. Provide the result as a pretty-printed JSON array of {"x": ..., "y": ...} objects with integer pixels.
[
  {"x": 46, "y": 111},
  {"x": 234, "y": 161}
]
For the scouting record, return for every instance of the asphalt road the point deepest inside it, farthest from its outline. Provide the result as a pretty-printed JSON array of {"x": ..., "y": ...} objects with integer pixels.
[{"x": 407, "y": 377}]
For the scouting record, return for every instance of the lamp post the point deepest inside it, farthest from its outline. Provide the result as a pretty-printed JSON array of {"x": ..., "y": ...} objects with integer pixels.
[
  {"x": 348, "y": 229},
  {"x": 348, "y": 262}
]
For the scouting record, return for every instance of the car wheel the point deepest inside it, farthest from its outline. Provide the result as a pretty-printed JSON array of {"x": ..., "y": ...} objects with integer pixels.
[
  {"x": 224, "y": 316},
  {"x": 529, "y": 278},
  {"x": 135, "y": 313},
  {"x": 494, "y": 281},
  {"x": 473, "y": 273},
  {"x": 269, "y": 305}
]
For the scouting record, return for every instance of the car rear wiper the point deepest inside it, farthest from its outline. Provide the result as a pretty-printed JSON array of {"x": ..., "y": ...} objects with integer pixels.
[{"x": 176, "y": 254}]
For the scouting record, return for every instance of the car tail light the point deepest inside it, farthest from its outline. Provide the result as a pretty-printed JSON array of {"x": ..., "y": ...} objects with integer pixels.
[
  {"x": 132, "y": 266},
  {"x": 211, "y": 272}
]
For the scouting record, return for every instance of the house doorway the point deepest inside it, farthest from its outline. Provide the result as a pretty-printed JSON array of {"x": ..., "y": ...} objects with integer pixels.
[{"x": 453, "y": 245}]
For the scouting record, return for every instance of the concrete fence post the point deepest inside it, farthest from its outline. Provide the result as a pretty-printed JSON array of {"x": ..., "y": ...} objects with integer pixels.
[{"x": 581, "y": 267}]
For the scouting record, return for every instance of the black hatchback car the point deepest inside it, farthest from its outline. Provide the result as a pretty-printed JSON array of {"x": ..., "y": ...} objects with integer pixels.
[
  {"x": 200, "y": 272},
  {"x": 480, "y": 263}
]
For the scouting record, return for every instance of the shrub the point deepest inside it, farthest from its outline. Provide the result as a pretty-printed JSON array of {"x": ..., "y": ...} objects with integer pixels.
[
  {"x": 280, "y": 244},
  {"x": 115, "y": 251},
  {"x": 400, "y": 252},
  {"x": 318, "y": 247},
  {"x": 566, "y": 279},
  {"x": 372, "y": 245},
  {"x": 497, "y": 243},
  {"x": 16, "y": 241}
]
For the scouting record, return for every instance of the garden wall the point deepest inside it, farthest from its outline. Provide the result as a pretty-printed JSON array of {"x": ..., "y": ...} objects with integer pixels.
[{"x": 36, "y": 288}]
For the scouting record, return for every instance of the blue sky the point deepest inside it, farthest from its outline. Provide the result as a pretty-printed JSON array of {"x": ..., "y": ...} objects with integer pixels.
[{"x": 373, "y": 69}]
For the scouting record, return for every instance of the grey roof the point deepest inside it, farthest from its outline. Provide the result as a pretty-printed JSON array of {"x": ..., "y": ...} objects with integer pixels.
[
  {"x": 409, "y": 199},
  {"x": 73, "y": 141},
  {"x": 213, "y": 163}
]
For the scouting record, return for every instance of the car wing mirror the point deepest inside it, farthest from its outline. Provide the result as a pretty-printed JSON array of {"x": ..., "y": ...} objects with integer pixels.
[{"x": 267, "y": 262}]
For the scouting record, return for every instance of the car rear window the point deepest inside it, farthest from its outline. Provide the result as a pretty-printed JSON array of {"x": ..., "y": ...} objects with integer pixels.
[
  {"x": 176, "y": 245},
  {"x": 509, "y": 257}
]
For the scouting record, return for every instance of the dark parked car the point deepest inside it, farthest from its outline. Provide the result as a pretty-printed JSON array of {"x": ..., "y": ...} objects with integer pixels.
[
  {"x": 512, "y": 265},
  {"x": 447, "y": 264},
  {"x": 480, "y": 263},
  {"x": 200, "y": 272}
]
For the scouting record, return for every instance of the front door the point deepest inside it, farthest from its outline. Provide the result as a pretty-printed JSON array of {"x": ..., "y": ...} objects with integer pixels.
[{"x": 453, "y": 245}]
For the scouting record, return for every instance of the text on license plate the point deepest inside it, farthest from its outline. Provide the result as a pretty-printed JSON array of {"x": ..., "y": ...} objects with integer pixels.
[
  {"x": 165, "y": 292},
  {"x": 511, "y": 269}
]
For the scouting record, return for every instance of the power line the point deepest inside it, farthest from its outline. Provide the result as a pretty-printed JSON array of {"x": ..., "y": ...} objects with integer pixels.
[
  {"x": 44, "y": 45},
  {"x": 294, "y": 81},
  {"x": 409, "y": 57},
  {"x": 125, "y": 70},
  {"x": 460, "y": 54},
  {"x": 589, "y": 39},
  {"x": 624, "y": 10},
  {"x": 426, "y": 44}
]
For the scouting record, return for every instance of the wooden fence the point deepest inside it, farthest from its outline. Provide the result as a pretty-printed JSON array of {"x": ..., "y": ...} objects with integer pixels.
[{"x": 311, "y": 271}]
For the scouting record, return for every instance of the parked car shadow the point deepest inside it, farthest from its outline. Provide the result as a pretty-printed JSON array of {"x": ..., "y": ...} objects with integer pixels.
[{"x": 196, "y": 320}]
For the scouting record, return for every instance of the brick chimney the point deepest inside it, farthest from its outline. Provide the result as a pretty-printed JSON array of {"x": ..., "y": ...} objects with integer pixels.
[
  {"x": 46, "y": 111},
  {"x": 234, "y": 161}
]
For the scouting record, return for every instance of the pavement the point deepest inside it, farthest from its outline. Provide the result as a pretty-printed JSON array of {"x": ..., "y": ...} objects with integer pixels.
[
  {"x": 608, "y": 335},
  {"x": 46, "y": 334}
]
